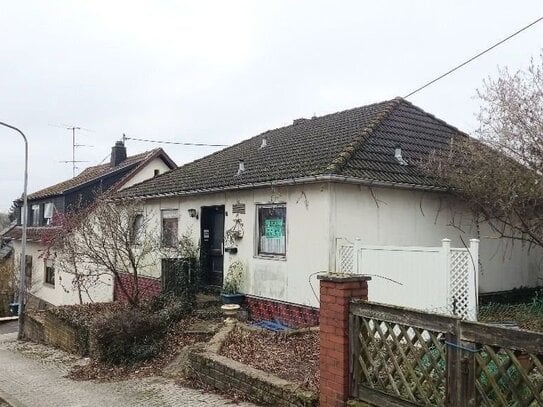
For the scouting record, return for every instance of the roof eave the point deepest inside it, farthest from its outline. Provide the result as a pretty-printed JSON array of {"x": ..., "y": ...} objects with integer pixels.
[{"x": 294, "y": 181}]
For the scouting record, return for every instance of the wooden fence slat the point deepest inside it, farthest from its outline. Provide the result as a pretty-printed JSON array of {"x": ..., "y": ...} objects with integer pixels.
[
  {"x": 454, "y": 395},
  {"x": 518, "y": 339},
  {"x": 524, "y": 378},
  {"x": 401, "y": 315},
  {"x": 379, "y": 398},
  {"x": 354, "y": 346}
]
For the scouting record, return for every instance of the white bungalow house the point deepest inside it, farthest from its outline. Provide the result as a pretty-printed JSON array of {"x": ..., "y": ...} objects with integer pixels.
[
  {"x": 46, "y": 282},
  {"x": 279, "y": 202}
]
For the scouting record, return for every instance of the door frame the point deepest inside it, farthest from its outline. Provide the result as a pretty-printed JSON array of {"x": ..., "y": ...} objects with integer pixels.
[{"x": 206, "y": 219}]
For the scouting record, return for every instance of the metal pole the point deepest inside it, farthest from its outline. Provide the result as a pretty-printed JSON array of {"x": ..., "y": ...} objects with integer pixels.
[
  {"x": 73, "y": 151},
  {"x": 24, "y": 214}
]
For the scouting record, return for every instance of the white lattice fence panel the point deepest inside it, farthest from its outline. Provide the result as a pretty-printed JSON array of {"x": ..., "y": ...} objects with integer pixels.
[
  {"x": 345, "y": 259},
  {"x": 461, "y": 299}
]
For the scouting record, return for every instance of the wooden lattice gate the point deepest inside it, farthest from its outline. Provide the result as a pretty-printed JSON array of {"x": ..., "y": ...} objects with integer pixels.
[{"x": 403, "y": 357}]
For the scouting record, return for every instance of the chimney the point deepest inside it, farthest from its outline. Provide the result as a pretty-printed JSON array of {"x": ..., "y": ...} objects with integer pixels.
[{"x": 118, "y": 153}]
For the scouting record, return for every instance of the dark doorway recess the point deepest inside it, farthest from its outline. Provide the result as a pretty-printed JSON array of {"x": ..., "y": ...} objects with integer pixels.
[{"x": 212, "y": 244}]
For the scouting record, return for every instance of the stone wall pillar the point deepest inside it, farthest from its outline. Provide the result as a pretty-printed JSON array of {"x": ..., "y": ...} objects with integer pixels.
[{"x": 336, "y": 291}]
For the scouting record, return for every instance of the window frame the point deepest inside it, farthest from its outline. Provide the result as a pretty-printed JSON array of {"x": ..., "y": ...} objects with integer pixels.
[
  {"x": 35, "y": 214},
  {"x": 266, "y": 255},
  {"x": 162, "y": 234},
  {"x": 135, "y": 232},
  {"x": 49, "y": 272},
  {"x": 48, "y": 207}
]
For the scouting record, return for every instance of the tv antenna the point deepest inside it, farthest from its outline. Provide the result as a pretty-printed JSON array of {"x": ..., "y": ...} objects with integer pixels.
[{"x": 75, "y": 145}]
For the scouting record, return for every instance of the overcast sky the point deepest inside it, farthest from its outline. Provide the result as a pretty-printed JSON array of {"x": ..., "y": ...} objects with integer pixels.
[{"x": 222, "y": 71}]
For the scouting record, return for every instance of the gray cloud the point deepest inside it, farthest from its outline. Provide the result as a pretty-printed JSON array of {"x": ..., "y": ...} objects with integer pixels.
[{"x": 219, "y": 72}]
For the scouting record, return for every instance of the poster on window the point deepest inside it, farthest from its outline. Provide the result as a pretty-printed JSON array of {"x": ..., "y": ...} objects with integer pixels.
[{"x": 273, "y": 228}]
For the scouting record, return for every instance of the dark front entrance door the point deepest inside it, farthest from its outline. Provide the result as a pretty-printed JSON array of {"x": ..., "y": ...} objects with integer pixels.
[{"x": 212, "y": 241}]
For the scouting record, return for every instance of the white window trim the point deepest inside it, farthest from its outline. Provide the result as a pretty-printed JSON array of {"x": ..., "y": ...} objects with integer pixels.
[
  {"x": 276, "y": 257},
  {"x": 52, "y": 265},
  {"x": 162, "y": 211}
]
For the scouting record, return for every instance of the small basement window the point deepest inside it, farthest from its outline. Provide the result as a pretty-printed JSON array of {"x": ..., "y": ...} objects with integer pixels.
[
  {"x": 49, "y": 272},
  {"x": 271, "y": 237}
]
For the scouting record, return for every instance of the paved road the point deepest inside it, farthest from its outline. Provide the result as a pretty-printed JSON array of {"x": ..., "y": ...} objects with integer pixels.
[
  {"x": 8, "y": 327},
  {"x": 32, "y": 375}
]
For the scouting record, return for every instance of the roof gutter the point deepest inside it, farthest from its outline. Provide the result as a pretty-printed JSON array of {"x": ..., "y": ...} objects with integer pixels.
[{"x": 295, "y": 181}]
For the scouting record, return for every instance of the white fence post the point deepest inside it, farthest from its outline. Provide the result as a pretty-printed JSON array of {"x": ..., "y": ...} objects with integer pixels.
[
  {"x": 446, "y": 247},
  {"x": 356, "y": 253},
  {"x": 338, "y": 257},
  {"x": 474, "y": 277}
]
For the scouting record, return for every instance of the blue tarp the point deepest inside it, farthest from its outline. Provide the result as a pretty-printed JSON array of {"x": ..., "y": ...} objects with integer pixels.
[{"x": 274, "y": 326}]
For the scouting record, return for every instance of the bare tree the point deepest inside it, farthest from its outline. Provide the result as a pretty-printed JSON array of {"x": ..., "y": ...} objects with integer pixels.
[
  {"x": 109, "y": 238},
  {"x": 500, "y": 173}
]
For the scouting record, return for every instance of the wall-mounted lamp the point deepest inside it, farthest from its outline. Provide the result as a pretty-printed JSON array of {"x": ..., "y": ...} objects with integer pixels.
[{"x": 193, "y": 213}]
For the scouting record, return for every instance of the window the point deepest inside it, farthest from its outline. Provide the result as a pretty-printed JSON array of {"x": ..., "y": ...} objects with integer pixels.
[
  {"x": 271, "y": 221},
  {"x": 137, "y": 228},
  {"x": 35, "y": 215},
  {"x": 49, "y": 272},
  {"x": 169, "y": 227},
  {"x": 157, "y": 172},
  {"x": 48, "y": 210}
]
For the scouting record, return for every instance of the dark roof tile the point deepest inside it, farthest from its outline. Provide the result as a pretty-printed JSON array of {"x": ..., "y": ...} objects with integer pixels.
[
  {"x": 355, "y": 143},
  {"x": 99, "y": 171}
]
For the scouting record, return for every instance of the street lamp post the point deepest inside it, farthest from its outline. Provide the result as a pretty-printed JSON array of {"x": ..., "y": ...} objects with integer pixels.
[{"x": 24, "y": 214}]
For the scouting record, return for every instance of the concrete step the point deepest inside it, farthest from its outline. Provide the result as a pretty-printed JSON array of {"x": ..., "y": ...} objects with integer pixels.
[
  {"x": 209, "y": 313},
  {"x": 208, "y": 301},
  {"x": 206, "y": 327}
]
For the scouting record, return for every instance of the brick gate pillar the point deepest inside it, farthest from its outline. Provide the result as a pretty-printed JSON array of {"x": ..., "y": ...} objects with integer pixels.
[{"x": 336, "y": 291}]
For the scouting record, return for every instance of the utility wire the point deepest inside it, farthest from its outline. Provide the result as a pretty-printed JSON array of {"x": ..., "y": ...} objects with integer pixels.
[
  {"x": 473, "y": 58},
  {"x": 175, "y": 142}
]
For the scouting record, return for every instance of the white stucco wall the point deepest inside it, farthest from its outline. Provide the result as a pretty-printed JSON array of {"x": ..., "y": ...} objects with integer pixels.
[
  {"x": 308, "y": 237},
  {"x": 399, "y": 217},
  {"x": 147, "y": 172},
  {"x": 62, "y": 293}
]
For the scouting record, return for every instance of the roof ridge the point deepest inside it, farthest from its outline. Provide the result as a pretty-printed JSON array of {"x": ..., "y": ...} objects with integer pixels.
[
  {"x": 343, "y": 157},
  {"x": 430, "y": 115},
  {"x": 138, "y": 158}
]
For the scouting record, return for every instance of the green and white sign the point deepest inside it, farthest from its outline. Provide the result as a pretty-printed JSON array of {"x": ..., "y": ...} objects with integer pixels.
[{"x": 274, "y": 228}]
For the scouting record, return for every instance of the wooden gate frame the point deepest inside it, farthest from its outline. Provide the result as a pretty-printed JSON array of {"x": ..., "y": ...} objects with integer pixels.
[{"x": 463, "y": 339}]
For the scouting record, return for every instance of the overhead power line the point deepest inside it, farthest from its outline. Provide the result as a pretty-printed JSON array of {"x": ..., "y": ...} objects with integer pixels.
[
  {"x": 473, "y": 58},
  {"x": 174, "y": 142}
]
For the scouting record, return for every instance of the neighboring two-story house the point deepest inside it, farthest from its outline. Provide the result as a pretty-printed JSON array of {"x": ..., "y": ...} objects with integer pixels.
[{"x": 45, "y": 282}]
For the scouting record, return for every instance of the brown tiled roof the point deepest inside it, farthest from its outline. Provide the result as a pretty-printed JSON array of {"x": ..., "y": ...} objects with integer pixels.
[
  {"x": 98, "y": 171},
  {"x": 357, "y": 143},
  {"x": 33, "y": 233}
]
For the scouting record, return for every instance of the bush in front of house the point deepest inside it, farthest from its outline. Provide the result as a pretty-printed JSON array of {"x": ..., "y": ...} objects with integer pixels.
[
  {"x": 169, "y": 307},
  {"x": 128, "y": 336}
]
